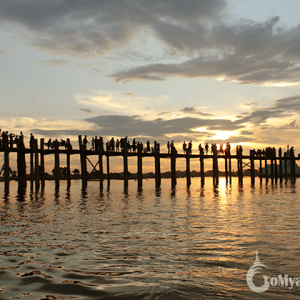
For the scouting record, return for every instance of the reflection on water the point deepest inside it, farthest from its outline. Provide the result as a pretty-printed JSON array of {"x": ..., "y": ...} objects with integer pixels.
[{"x": 147, "y": 243}]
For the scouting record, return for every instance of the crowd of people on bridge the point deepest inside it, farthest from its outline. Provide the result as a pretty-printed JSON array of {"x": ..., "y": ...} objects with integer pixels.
[
  {"x": 121, "y": 144},
  {"x": 117, "y": 145},
  {"x": 10, "y": 139}
]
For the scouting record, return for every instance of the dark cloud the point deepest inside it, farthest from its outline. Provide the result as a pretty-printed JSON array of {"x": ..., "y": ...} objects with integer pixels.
[
  {"x": 249, "y": 53},
  {"x": 87, "y": 110},
  {"x": 245, "y": 132},
  {"x": 281, "y": 108},
  {"x": 200, "y": 31},
  {"x": 118, "y": 125},
  {"x": 95, "y": 27},
  {"x": 194, "y": 110}
]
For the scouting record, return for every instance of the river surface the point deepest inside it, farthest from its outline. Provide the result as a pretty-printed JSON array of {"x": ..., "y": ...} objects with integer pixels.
[{"x": 195, "y": 243}]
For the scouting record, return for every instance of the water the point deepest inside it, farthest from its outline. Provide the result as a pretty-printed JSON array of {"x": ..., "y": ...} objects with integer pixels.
[{"x": 196, "y": 243}]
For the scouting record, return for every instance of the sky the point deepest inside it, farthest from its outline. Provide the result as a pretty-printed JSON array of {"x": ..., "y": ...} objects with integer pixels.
[{"x": 207, "y": 71}]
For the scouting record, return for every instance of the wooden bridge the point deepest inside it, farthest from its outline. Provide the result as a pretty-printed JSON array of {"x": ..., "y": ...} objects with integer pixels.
[{"x": 37, "y": 164}]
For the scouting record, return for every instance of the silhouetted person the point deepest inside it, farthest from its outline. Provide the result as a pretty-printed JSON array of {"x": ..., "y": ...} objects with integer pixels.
[
  {"x": 85, "y": 142},
  {"x": 117, "y": 145},
  {"x": 31, "y": 141},
  {"x": 148, "y": 146},
  {"x": 206, "y": 148},
  {"x": 93, "y": 143},
  {"x": 184, "y": 147},
  {"x": 190, "y": 147},
  {"x": 168, "y": 146}
]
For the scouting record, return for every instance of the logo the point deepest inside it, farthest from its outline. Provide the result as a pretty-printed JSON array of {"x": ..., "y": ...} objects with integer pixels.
[
  {"x": 255, "y": 269},
  {"x": 273, "y": 281}
]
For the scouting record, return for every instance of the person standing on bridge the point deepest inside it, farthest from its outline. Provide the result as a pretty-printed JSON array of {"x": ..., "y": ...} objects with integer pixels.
[
  {"x": 184, "y": 147},
  {"x": 31, "y": 141},
  {"x": 85, "y": 142},
  {"x": 190, "y": 147}
]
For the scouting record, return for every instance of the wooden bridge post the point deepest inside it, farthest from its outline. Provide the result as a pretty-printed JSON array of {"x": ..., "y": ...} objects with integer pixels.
[
  {"x": 229, "y": 161},
  {"x": 36, "y": 163},
  {"x": 215, "y": 167},
  {"x": 56, "y": 168},
  {"x": 21, "y": 166},
  {"x": 31, "y": 164},
  {"x": 260, "y": 168},
  {"x": 82, "y": 162},
  {"x": 107, "y": 165},
  {"x": 272, "y": 169},
  {"x": 101, "y": 161},
  {"x": 68, "y": 166},
  {"x": 6, "y": 162},
  {"x": 157, "y": 164},
  {"x": 252, "y": 167},
  {"x": 173, "y": 166},
  {"x": 202, "y": 167},
  {"x": 188, "y": 169},
  {"x": 42, "y": 169},
  {"x": 140, "y": 165},
  {"x": 280, "y": 165},
  {"x": 125, "y": 162},
  {"x": 241, "y": 168}
]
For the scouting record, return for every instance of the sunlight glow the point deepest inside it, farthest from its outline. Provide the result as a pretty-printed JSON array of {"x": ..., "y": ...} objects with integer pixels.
[{"x": 222, "y": 135}]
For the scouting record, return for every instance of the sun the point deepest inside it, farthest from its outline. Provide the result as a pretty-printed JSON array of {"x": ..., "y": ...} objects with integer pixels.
[{"x": 222, "y": 135}]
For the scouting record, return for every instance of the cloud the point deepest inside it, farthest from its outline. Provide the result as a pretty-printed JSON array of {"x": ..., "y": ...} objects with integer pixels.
[
  {"x": 87, "y": 110},
  {"x": 247, "y": 53},
  {"x": 206, "y": 41},
  {"x": 120, "y": 125},
  {"x": 194, "y": 110},
  {"x": 281, "y": 108}
]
